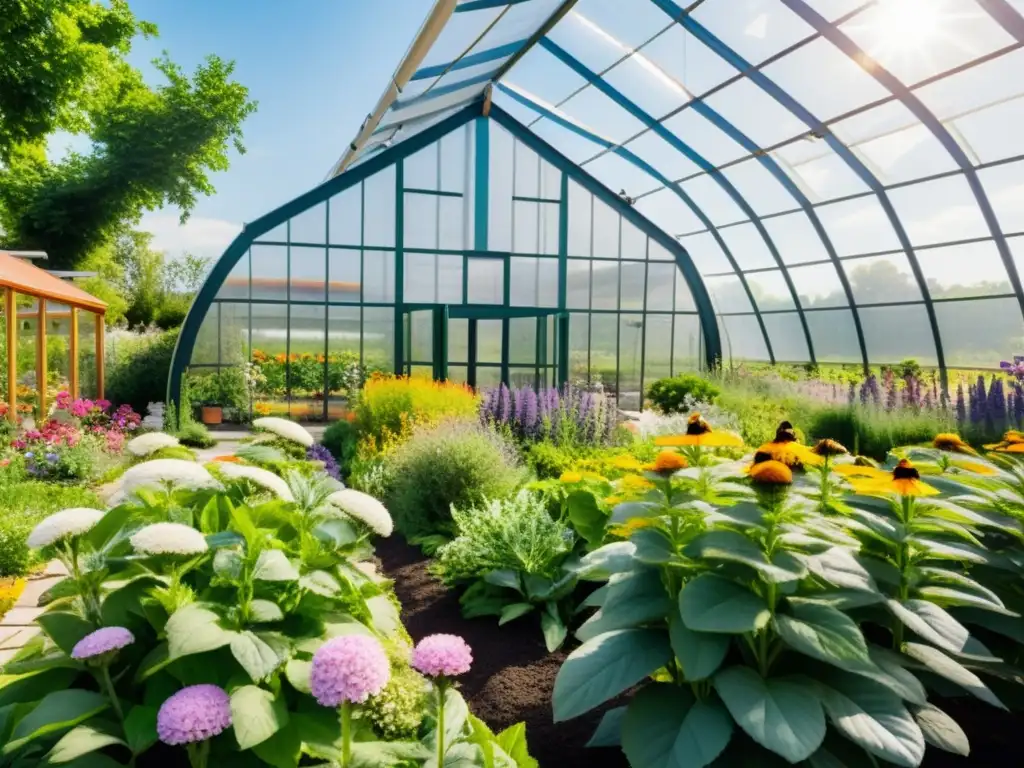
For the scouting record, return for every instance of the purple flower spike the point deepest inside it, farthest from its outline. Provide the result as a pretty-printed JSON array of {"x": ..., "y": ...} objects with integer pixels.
[
  {"x": 102, "y": 641},
  {"x": 348, "y": 668},
  {"x": 442, "y": 656},
  {"x": 196, "y": 713}
]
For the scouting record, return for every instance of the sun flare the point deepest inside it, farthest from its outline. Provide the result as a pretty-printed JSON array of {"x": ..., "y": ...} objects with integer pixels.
[{"x": 907, "y": 25}]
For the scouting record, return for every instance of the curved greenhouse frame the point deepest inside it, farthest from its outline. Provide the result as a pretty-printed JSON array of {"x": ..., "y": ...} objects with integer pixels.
[{"x": 831, "y": 189}]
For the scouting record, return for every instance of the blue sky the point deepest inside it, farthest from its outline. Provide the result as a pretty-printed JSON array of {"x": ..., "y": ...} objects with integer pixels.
[{"x": 316, "y": 67}]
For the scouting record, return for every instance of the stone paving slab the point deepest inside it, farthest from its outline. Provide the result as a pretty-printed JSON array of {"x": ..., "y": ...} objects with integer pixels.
[{"x": 18, "y": 626}]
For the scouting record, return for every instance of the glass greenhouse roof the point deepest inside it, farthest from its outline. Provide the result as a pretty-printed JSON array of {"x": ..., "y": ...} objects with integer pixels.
[{"x": 847, "y": 176}]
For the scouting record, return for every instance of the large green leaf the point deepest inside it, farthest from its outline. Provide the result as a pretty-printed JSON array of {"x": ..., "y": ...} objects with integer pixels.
[
  {"x": 782, "y": 715},
  {"x": 609, "y": 731},
  {"x": 79, "y": 741},
  {"x": 586, "y": 517},
  {"x": 632, "y": 598},
  {"x": 951, "y": 596},
  {"x": 57, "y": 710},
  {"x": 653, "y": 547},
  {"x": 195, "y": 629},
  {"x": 256, "y": 715},
  {"x": 894, "y": 676},
  {"x": 298, "y": 672},
  {"x": 823, "y": 633},
  {"x": 940, "y": 730},
  {"x": 840, "y": 568},
  {"x": 32, "y": 687},
  {"x": 384, "y": 615},
  {"x": 553, "y": 627},
  {"x": 274, "y": 565},
  {"x": 875, "y": 720},
  {"x": 513, "y": 741},
  {"x": 712, "y": 604},
  {"x": 282, "y": 750},
  {"x": 387, "y": 754},
  {"x": 140, "y": 728},
  {"x": 64, "y": 628},
  {"x": 258, "y": 658},
  {"x": 734, "y": 547},
  {"x": 616, "y": 557},
  {"x": 606, "y": 666},
  {"x": 665, "y": 728},
  {"x": 952, "y": 670},
  {"x": 262, "y": 611},
  {"x": 700, "y": 653},
  {"x": 513, "y": 612},
  {"x": 931, "y": 623}
]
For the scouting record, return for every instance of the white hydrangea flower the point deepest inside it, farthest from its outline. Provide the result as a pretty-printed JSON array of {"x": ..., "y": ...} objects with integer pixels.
[
  {"x": 151, "y": 442},
  {"x": 261, "y": 477},
  {"x": 169, "y": 539},
  {"x": 283, "y": 428},
  {"x": 60, "y": 525},
  {"x": 157, "y": 473},
  {"x": 365, "y": 509}
]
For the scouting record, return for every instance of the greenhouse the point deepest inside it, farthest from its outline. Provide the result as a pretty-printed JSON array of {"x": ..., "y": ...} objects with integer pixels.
[{"x": 617, "y": 191}]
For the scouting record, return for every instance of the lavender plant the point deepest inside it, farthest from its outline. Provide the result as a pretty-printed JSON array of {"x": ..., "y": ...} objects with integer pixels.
[{"x": 566, "y": 417}]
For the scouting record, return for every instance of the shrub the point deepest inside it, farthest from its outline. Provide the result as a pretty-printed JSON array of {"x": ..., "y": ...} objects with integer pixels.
[
  {"x": 390, "y": 403},
  {"x": 341, "y": 438},
  {"x": 549, "y": 461},
  {"x": 138, "y": 366},
  {"x": 196, "y": 435},
  {"x": 454, "y": 463},
  {"x": 569, "y": 417},
  {"x": 26, "y": 503},
  {"x": 872, "y": 432},
  {"x": 677, "y": 395}
]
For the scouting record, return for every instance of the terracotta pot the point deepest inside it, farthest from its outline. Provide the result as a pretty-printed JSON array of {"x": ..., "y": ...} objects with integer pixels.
[{"x": 212, "y": 414}]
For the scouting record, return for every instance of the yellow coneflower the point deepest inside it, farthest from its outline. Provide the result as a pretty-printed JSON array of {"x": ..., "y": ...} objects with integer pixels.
[
  {"x": 904, "y": 480},
  {"x": 699, "y": 432},
  {"x": 635, "y": 483},
  {"x": 631, "y": 526},
  {"x": 771, "y": 473},
  {"x": 571, "y": 478},
  {"x": 974, "y": 466},
  {"x": 1010, "y": 438},
  {"x": 666, "y": 463},
  {"x": 950, "y": 441},
  {"x": 627, "y": 463},
  {"x": 785, "y": 448},
  {"x": 860, "y": 470},
  {"x": 828, "y": 448}
]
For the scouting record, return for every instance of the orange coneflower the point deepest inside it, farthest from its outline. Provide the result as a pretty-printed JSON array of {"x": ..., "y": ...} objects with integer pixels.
[
  {"x": 1010, "y": 439},
  {"x": 667, "y": 463},
  {"x": 771, "y": 473},
  {"x": 785, "y": 448},
  {"x": 828, "y": 448},
  {"x": 699, "y": 432},
  {"x": 904, "y": 480},
  {"x": 950, "y": 441}
]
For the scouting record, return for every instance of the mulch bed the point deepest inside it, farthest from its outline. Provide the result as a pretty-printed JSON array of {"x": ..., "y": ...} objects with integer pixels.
[{"x": 512, "y": 675}]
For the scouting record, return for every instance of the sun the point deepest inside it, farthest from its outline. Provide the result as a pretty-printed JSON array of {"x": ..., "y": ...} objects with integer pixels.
[{"x": 907, "y": 24}]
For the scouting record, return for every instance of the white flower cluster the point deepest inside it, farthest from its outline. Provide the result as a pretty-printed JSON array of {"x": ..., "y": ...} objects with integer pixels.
[
  {"x": 158, "y": 473},
  {"x": 151, "y": 442},
  {"x": 365, "y": 509},
  {"x": 285, "y": 429},
  {"x": 261, "y": 477},
  {"x": 169, "y": 539},
  {"x": 60, "y": 525}
]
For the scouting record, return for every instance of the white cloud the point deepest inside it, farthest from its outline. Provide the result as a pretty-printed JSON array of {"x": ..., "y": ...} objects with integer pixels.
[{"x": 199, "y": 236}]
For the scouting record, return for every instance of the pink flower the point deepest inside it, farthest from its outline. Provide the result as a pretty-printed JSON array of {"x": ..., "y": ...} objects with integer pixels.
[
  {"x": 196, "y": 713},
  {"x": 348, "y": 668},
  {"x": 102, "y": 641},
  {"x": 103, "y": 404},
  {"x": 442, "y": 656}
]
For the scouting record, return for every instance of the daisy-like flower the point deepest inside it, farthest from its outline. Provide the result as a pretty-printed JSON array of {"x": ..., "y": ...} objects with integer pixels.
[
  {"x": 103, "y": 641},
  {"x": 350, "y": 669},
  {"x": 365, "y": 509},
  {"x": 442, "y": 656},
  {"x": 175, "y": 473},
  {"x": 631, "y": 526},
  {"x": 950, "y": 441},
  {"x": 288, "y": 430},
  {"x": 169, "y": 539},
  {"x": 261, "y": 477},
  {"x": 699, "y": 432},
  {"x": 904, "y": 480},
  {"x": 193, "y": 714},
  {"x": 860, "y": 470},
  {"x": 974, "y": 466},
  {"x": 785, "y": 448},
  {"x": 627, "y": 463},
  {"x": 771, "y": 472},
  {"x": 64, "y": 524},
  {"x": 635, "y": 484},
  {"x": 570, "y": 478},
  {"x": 828, "y": 448},
  {"x": 667, "y": 463},
  {"x": 151, "y": 442}
]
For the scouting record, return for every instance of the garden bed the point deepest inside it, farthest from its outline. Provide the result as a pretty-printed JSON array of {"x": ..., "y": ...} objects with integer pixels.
[{"x": 512, "y": 675}]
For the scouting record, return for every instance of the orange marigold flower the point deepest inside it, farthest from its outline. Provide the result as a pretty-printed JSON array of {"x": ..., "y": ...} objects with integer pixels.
[
  {"x": 771, "y": 472},
  {"x": 950, "y": 441},
  {"x": 667, "y": 462},
  {"x": 227, "y": 459}
]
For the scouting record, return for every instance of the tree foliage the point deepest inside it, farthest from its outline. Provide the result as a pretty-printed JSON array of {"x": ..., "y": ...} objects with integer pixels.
[{"x": 151, "y": 146}]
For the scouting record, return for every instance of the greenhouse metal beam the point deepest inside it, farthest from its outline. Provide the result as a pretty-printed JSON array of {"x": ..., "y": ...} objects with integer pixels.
[
  {"x": 917, "y": 107},
  {"x": 687, "y": 151},
  {"x": 557, "y": 117},
  {"x": 1005, "y": 15}
]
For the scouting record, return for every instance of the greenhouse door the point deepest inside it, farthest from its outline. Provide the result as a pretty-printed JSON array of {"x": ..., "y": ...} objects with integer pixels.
[{"x": 486, "y": 346}]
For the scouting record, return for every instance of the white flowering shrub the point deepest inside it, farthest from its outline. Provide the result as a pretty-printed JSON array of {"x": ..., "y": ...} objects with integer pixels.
[
  {"x": 150, "y": 443},
  {"x": 167, "y": 474},
  {"x": 364, "y": 508},
  {"x": 263, "y": 478},
  {"x": 287, "y": 430}
]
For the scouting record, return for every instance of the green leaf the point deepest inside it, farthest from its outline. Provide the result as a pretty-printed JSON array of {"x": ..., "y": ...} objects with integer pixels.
[
  {"x": 64, "y": 628},
  {"x": 31, "y": 688},
  {"x": 195, "y": 629},
  {"x": 942, "y": 665},
  {"x": 384, "y": 615},
  {"x": 57, "y": 710},
  {"x": 840, "y": 568},
  {"x": 513, "y": 612},
  {"x": 387, "y": 754},
  {"x": 632, "y": 598},
  {"x": 957, "y": 597},
  {"x": 256, "y": 656},
  {"x": 513, "y": 741},
  {"x": 931, "y": 623},
  {"x": 616, "y": 557},
  {"x": 274, "y": 565},
  {"x": 158, "y": 658},
  {"x": 894, "y": 677},
  {"x": 482, "y": 737},
  {"x": 734, "y": 547},
  {"x": 606, "y": 666},
  {"x": 228, "y": 563},
  {"x": 699, "y": 653},
  {"x": 554, "y": 629},
  {"x": 320, "y": 583},
  {"x": 781, "y": 715},
  {"x": 940, "y": 730},
  {"x": 256, "y": 715},
  {"x": 456, "y": 714},
  {"x": 140, "y": 728},
  {"x": 79, "y": 741},
  {"x": 712, "y": 604},
  {"x": 298, "y": 671},
  {"x": 504, "y": 577},
  {"x": 630, "y": 509},
  {"x": 665, "y": 728},
  {"x": 823, "y": 633},
  {"x": 586, "y": 517},
  {"x": 876, "y": 721},
  {"x": 261, "y": 611},
  {"x": 609, "y": 731}
]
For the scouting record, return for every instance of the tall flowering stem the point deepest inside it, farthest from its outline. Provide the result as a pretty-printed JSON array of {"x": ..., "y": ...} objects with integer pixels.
[{"x": 442, "y": 658}]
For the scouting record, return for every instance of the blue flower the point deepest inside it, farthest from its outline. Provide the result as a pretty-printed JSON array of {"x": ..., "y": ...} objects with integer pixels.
[
  {"x": 52, "y": 458},
  {"x": 29, "y": 454}
]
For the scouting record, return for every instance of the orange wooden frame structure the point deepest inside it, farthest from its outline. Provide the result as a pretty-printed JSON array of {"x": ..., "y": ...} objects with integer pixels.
[{"x": 18, "y": 276}]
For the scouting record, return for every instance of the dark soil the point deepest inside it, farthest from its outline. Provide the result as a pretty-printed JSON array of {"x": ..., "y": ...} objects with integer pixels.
[{"x": 513, "y": 674}]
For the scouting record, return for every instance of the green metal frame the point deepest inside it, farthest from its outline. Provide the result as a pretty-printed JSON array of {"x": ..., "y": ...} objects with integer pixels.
[{"x": 395, "y": 156}]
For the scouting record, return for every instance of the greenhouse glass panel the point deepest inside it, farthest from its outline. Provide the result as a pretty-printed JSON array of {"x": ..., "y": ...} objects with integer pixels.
[
  {"x": 787, "y": 336},
  {"x": 882, "y": 279},
  {"x": 897, "y": 333},
  {"x": 834, "y": 336},
  {"x": 742, "y": 339},
  {"x": 976, "y": 334}
]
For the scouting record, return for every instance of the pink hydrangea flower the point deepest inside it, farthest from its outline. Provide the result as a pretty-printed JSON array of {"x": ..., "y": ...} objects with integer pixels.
[
  {"x": 102, "y": 641},
  {"x": 196, "y": 713},
  {"x": 348, "y": 668},
  {"x": 442, "y": 656}
]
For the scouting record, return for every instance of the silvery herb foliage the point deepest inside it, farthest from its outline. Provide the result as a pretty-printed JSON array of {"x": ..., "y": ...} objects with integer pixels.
[{"x": 800, "y": 626}]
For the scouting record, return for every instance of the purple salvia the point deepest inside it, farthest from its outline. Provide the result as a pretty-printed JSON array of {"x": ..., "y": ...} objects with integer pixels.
[
  {"x": 996, "y": 405},
  {"x": 504, "y": 405},
  {"x": 530, "y": 412},
  {"x": 890, "y": 393},
  {"x": 851, "y": 396},
  {"x": 1018, "y": 404},
  {"x": 961, "y": 406}
]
